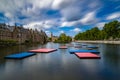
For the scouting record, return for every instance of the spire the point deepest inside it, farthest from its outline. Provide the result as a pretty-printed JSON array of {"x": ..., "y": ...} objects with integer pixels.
[{"x": 51, "y": 36}]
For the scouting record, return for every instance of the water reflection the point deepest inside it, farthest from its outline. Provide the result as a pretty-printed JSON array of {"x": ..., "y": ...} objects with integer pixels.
[
  {"x": 60, "y": 65},
  {"x": 112, "y": 55}
]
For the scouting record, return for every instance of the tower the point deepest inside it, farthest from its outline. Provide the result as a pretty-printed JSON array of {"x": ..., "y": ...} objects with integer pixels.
[{"x": 51, "y": 36}]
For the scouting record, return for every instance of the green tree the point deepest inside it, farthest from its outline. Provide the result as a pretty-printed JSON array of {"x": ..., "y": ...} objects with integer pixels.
[
  {"x": 110, "y": 30},
  {"x": 92, "y": 34},
  {"x": 63, "y": 38}
]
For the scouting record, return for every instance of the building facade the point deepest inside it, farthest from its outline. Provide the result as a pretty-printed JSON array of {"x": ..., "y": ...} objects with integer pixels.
[
  {"x": 5, "y": 33},
  {"x": 21, "y": 35},
  {"x": 53, "y": 38}
]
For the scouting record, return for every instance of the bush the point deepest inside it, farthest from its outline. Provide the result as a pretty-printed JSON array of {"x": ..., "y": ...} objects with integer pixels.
[
  {"x": 8, "y": 42},
  {"x": 63, "y": 39}
]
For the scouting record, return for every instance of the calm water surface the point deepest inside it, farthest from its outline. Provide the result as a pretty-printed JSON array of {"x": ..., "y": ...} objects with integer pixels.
[{"x": 60, "y": 65}]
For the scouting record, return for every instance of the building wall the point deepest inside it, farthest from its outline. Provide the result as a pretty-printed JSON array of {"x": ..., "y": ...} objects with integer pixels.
[
  {"x": 5, "y": 33},
  {"x": 21, "y": 35},
  {"x": 53, "y": 38}
]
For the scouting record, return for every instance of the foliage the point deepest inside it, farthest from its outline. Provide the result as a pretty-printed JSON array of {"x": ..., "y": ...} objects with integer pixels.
[
  {"x": 63, "y": 38},
  {"x": 49, "y": 39},
  {"x": 8, "y": 42},
  {"x": 111, "y": 31}
]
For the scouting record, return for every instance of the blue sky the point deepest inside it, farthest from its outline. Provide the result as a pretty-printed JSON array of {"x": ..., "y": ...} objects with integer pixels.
[{"x": 59, "y": 16}]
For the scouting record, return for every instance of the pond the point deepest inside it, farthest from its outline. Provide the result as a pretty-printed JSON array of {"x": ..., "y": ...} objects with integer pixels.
[{"x": 60, "y": 64}]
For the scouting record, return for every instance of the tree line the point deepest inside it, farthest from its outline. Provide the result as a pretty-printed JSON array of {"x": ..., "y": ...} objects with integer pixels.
[
  {"x": 110, "y": 31},
  {"x": 63, "y": 38}
]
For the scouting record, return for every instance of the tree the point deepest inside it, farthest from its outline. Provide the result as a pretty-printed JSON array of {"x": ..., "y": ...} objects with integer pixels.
[
  {"x": 63, "y": 38},
  {"x": 110, "y": 30},
  {"x": 92, "y": 34}
]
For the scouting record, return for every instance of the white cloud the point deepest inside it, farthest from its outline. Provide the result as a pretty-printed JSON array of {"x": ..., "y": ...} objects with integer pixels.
[
  {"x": 42, "y": 3},
  {"x": 71, "y": 13},
  {"x": 113, "y": 16},
  {"x": 94, "y": 4},
  {"x": 48, "y": 33},
  {"x": 34, "y": 11},
  {"x": 89, "y": 18},
  {"x": 34, "y": 25},
  {"x": 38, "y": 25},
  {"x": 57, "y": 4},
  {"x": 73, "y": 10},
  {"x": 9, "y": 15},
  {"x": 61, "y": 31},
  {"x": 61, "y": 4},
  {"x": 100, "y": 25},
  {"x": 68, "y": 24},
  {"x": 11, "y": 23},
  {"x": 76, "y": 30},
  {"x": 52, "y": 23},
  {"x": 45, "y": 24}
]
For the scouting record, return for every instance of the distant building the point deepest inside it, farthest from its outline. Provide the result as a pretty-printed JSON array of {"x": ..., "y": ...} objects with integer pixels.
[
  {"x": 20, "y": 34},
  {"x": 5, "y": 33},
  {"x": 53, "y": 38}
]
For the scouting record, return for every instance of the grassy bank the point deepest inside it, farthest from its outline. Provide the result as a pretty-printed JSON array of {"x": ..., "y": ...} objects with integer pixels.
[{"x": 8, "y": 42}]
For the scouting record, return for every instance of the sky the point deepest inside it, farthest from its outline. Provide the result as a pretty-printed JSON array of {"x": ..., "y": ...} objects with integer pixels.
[{"x": 59, "y": 16}]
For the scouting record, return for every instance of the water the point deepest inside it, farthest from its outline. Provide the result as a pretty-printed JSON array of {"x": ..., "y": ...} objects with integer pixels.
[{"x": 60, "y": 65}]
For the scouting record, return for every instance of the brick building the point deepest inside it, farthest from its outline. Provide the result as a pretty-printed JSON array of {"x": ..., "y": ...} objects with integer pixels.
[{"x": 20, "y": 34}]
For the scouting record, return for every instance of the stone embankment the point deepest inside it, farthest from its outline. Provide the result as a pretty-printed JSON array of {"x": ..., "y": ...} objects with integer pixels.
[{"x": 106, "y": 42}]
